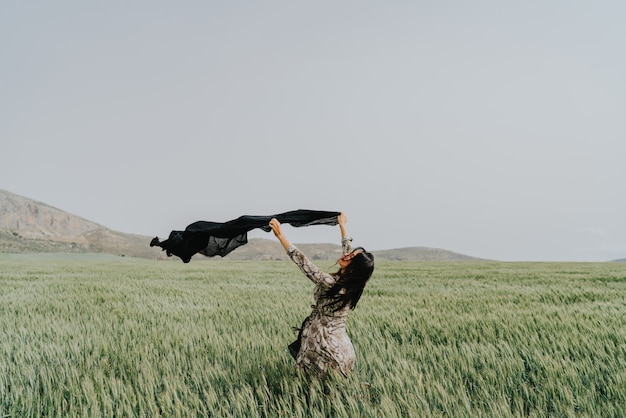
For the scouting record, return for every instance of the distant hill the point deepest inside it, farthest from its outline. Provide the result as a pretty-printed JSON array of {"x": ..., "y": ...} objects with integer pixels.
[
  {"x": 421, "y": 254},
  {"x": 268, "y": 249},
  {"x": 259, "y": 249},
  {"x": 29, "y": 226}
]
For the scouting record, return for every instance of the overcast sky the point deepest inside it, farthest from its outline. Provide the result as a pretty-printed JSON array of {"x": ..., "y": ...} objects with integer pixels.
[{"x": 490, "y": 128}]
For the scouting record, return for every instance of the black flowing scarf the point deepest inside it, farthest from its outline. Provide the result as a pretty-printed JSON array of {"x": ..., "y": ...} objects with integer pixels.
[{"x": 217, "y": 238}]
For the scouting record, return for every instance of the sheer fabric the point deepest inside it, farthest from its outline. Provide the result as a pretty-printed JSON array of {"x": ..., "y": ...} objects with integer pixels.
[{"x": 220, "y": 238}]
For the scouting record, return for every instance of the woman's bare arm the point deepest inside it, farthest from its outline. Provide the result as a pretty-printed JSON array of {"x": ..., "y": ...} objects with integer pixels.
[{"x": 278, "y": 231}]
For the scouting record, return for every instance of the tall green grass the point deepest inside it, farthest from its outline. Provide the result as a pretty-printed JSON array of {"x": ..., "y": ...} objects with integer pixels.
[{"x": 94, "y": 336}]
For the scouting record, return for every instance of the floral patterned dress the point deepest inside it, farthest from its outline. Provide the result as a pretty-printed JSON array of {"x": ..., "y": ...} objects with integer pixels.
[{"x": 324, "y": 344}]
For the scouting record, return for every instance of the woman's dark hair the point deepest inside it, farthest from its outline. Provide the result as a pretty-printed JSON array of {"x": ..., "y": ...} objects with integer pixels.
[{"x": 352, "y": 280}]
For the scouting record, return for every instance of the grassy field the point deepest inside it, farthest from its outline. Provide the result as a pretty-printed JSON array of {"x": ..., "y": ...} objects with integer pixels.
[{"x": 104, "y": 336}]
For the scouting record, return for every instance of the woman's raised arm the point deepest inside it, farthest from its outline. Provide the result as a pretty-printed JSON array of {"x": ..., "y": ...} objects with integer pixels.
[
  {"x": 346, "y": 245},
  {"x": 278, "y": 231},
  {"x": 314, "y": 273}
]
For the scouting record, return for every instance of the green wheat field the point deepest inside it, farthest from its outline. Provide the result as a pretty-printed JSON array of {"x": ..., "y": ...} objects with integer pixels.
[{"x": 104, "y": 336}]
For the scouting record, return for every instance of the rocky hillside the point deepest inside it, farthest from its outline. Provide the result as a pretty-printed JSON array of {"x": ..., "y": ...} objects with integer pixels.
[{"x": 28, "y": 226}]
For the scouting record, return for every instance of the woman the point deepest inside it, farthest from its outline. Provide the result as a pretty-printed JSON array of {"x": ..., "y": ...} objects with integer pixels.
[{"x": 323, "y": 345}]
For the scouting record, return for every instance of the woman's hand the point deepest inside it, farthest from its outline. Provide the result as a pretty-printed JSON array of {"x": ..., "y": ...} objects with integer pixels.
[{"x": 276, "y": 228}]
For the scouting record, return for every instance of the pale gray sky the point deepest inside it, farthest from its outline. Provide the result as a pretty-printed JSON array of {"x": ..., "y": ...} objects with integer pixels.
[{"x": 495, "y": 129}]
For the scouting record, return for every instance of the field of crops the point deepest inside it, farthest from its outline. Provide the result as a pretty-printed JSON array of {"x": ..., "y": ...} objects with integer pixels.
[{"x": 98, "y": 336}]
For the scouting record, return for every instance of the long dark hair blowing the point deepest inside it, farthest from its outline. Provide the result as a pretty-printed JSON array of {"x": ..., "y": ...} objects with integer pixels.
[{"x": 352, "y": 279}]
